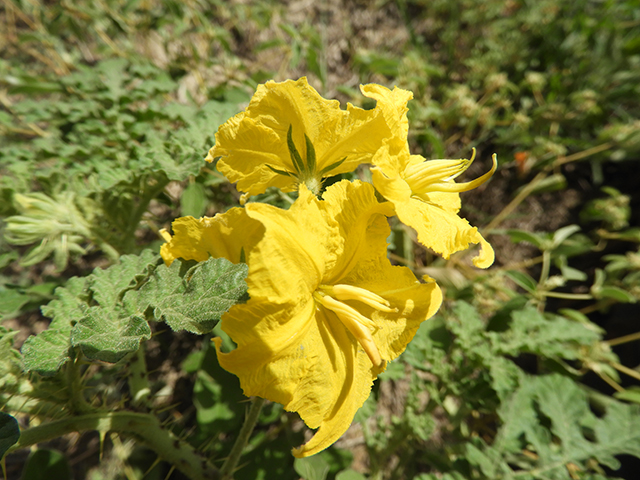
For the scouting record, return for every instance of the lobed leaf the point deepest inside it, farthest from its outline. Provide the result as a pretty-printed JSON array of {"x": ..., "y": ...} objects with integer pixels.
[
  {"x": 550, "y": 416},
  {"x": 105, "y": 334},
  {"x": 196, "y": 300},
  {"x": 46, "y": 352},
  {"x": 108, "y": 285}
]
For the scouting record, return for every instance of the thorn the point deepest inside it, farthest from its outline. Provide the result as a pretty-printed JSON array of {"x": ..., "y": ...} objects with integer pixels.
[{"x": 102, "y": 436}]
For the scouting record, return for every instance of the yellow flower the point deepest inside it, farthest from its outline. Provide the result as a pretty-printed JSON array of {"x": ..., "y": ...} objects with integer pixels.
[
  {"x": 290, "y": 135},
  {"x": 424, "y": 194},
  {"x": 327, "y": 310},
  {"x": 225, "y": 235}
]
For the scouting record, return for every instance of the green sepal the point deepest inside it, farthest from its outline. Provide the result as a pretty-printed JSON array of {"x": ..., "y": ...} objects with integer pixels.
[
  {"x": 293, "y": 151},
  {"x": 281, "y": 172},
  {"x": 311, "y": 156},
  {"x": 326, "y": 170}
]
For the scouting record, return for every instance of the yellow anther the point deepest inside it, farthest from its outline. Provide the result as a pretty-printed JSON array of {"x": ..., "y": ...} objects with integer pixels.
[
  {"x": 349, "y": 292},
  {"x": 438, "y": 176},
  {"x": 356, "y": 323}
]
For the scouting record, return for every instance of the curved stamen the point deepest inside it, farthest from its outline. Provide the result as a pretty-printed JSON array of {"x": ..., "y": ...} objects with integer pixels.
[
  {"x": 464, "y": 186},
  {"x": 356, "y": 323},
  {"x": 350, "y": 292},
  {"x": 420, "y": 175},
  {"x": 436, "y": 175}
]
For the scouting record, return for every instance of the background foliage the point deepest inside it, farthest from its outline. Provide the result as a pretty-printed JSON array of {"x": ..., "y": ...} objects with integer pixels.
[{"x": 107, "y": 110}]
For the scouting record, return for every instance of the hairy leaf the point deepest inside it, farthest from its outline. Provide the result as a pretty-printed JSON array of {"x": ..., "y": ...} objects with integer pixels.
[
  {"x": 49, "y": 350},
  {"x": 108, "y": 285},
  {"x": 195, "y": 300},
  {"x": 550, "y": 417},
  {"x": 107, "y": 335}
]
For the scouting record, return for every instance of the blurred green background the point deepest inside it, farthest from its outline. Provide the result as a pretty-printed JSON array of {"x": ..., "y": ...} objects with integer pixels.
[{"x": 108, "y": 108}]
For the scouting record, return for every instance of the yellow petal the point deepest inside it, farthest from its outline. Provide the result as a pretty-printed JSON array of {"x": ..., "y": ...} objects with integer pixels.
[
  {"x": 224, "y": 235},
  {"x": 393, "y": 104},
  {"x": 357, "y": 215},
  {"x": 414, "y": 302},
  {"x": 258, "y": 137},
  {"x": 443, "y": 231},
  {"x": 294, "y": 355},
  {"x": 297, "y": 246}
]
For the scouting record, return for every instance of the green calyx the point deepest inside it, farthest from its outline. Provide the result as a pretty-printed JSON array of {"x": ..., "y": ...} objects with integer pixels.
[{"x": 305, "y": 169}]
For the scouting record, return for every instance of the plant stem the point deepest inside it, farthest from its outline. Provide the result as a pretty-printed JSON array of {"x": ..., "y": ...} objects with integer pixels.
[
  {"x": 627, "y": 370},
  {"x": 569, "y": 296},
  {"x": 138, "y": 379},
  {"x": 250, "y": 421},
  {"x": 143, "y": 426},
  {"x": 546, "y": 266},
  {"x": 77, "y": 402},
  {"x": 627, "y": 338}
]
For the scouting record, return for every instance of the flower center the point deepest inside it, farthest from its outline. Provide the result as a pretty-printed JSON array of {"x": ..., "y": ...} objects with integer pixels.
[
  {"x": 437, "y": 175},
  {"x": 305, "y": 169},
  {"x": 332, "y": 297}
]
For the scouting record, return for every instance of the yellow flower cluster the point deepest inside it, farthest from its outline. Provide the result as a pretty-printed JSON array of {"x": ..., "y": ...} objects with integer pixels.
[{"x": 327, "y": 310}]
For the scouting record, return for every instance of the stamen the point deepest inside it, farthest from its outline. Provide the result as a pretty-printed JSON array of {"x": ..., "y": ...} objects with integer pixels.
[
  {"x": 356, "y": 323},
  {"x": 349, "y": 292},
  {"x": 424, "y": 178},
  {"x": 465, "y": 186},
  {"x": 421, "y": 174}
]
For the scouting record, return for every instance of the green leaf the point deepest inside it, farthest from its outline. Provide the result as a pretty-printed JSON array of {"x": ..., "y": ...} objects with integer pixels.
[
  {"x": 553, "y": 337},
  {"x": 194, "y": 200},
  {"x": 45, "y": 464},
  {"x": 523, "y": 279},
  {"x": 12, "y": 300},
  {"x": 615, "y": 293},
  {"x": 217, "y": 395},
  {"x": 631, "y": 394},
  {"x": 108, "y": 285},
  {"x": 105, "y": 334},
  {"x": 311, "y": 468},
  {"x": 563, "y": 233},
  {"x": 9, "y": 432},
  {"x": 49, "y": 350},
  {"x": 551, "y": 183},
  {"x": 551, "y": 416},
  {"x": 105, "y": 331},
  {"x": 350, "y": 474},
  {"x": 195, "y": 300},
  {"x": 10, "y": 360},
  {"x": 524, "y": 236}
]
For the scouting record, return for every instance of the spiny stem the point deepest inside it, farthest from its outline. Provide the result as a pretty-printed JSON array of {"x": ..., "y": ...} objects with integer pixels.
[
  {"x": 250, "y": 421},
  {"x": 145, "y": 427},
  {"x": 77, "y": 402},
  {"x": 138, "y": 379}
]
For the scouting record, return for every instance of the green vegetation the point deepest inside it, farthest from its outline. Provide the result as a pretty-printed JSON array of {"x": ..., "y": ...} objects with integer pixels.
[{"x": 107, "y": 110}]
